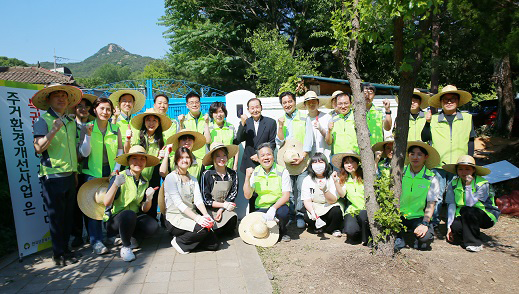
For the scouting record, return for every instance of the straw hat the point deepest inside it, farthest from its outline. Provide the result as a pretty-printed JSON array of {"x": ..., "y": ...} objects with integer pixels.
[
  {"x": 40, "y": 98},
  {"x": 328, "y": 103},
  {"x": 138, "y": 120},
  {"x": 90, "y": 198},
  {"x": 465, "y": 97},
  {"x": 162, "y": 200},
  {"x": 91, "y": 98},
  {"x": 311, "y": 95},
  {"x": 424, "y": 101},
  {"x": 466, "y": 160},
  {"x": 199, "y": 139},
  {"x": 255, "y": 231},
  {"x": 232, "y": 149},
  {"x": 380, "y": 145},
  {"x": 138, "y": 104},
  {"x": 434, "y": 157},
  {"x": 337, "y": 158},
  {"x": 137, "y": 150},
  {"x": 290, "y": 150}
]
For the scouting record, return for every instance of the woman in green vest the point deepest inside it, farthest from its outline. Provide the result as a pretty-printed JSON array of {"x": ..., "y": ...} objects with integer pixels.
[
  {"x": 102, "y": 143},
  {"x": 471, "y": 203},
  {"x": 186, "y": 216},
  {"x": 351, "y": 182},
  {"x": 125, "y": 202},
  {"x": 151, "y": 126},
  {"x": 420, "y": 191},
  {"x": 219, "y": 130},
  {"x": 319, "y": 196}
]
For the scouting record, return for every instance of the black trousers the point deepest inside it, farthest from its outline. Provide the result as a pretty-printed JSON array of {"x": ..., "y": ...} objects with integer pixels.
[
  {"x": 127, "y": 224},
  {"x": 154, "y": 182},
  {"x": 200, "y": 238},
  {"x": 79, "y": 217},
  {"x": 412, "y": 224},
  {"x": 333, "y": 219},
  {"x": 355, "y": 226},
  {"x": 229, "y": 229},
  {"x": 59, "y": 196},
  {"x": 466, "y": 227},
  {"x": 282, "y": 214}
]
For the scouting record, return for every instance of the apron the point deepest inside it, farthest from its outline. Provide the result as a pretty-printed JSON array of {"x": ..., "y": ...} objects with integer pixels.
[
  {"x": 175, "y": 216},
  {"x": 319, "y": 203},
  {"x": 219, "y": 192}
]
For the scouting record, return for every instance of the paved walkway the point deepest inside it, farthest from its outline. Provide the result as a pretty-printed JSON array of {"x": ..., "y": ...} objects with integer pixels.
[{"x": 234, "y": 268}]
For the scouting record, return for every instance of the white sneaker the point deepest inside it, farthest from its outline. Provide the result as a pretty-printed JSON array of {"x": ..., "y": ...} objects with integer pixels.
[
  {"x": 134, "y": 244},
  {"x": 127, "y": 254},
  {"x": 117, "y": 241},
  {"x": 300, "y": 223},
  {"x": 99, "y": 248},
  {"x": 337, "y": 233},
  {"x": 175, "y": 245},
  {"x": 474, "y": 248}
]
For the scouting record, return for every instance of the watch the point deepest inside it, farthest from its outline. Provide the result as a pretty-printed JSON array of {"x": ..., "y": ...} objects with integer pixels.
[
  {"x": 388, "y": 112},
  {"x": 425, "y": 223}
]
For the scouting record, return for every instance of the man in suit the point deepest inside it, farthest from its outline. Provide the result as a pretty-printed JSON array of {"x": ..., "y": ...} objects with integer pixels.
[{"x": 254, "y": 130}]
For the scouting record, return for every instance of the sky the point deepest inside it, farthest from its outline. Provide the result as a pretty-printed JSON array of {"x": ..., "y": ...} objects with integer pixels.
[{"x": 77, "y": 29}]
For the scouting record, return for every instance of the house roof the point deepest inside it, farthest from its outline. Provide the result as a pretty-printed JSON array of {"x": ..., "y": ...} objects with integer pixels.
[
  {"x": 329, "y": 85},
  {"x": 35, "y": 75}
]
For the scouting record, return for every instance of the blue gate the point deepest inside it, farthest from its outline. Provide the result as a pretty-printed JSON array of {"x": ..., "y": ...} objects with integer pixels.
[{"x": 176, "y": 90}]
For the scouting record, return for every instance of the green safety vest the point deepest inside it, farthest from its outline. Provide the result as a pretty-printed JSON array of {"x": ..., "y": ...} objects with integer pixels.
[
  {"x": 383, "y": 167},
  {"x": 93, "y": 165},
  {"x": 416, "y": 127},
  {"x": 344, "y": 134},
  {"x": 355, "y": 195},
  {"x": 298, "y": 130},
  {"x": 225, "y": 135},
  {"x": 122, "y": 124},
  {"x": 268, "y": 186},
  {"x": 375, "y": 118},
  {"x": 171, "y": 131},
  {"x": 152, "y": 149},
  {"x": 60, "y": 156},
  {"x": 130, "y": 196},
  {"x": 197, "y": 125},
  {"x": 414, "y": 192},
  {"x": 459, "y": 196},
  {"x": 451, "y": 143}
]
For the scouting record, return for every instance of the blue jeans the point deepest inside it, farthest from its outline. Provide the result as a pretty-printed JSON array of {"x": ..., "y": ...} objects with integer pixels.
[
  {"x": 95, "y": 227},
  {"x": 282, "y": 216},
  {"x": 444, "y": 178}
]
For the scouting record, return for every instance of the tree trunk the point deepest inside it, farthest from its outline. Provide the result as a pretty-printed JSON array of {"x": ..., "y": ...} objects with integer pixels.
[
  {"x": 361, "y": 127},
  {"x": 505, "y": 95},
  {"x": 435, "y": 54}
]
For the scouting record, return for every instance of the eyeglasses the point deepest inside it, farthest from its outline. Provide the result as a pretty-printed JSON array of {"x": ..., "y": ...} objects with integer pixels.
[
  {"x": 449, "y": 99},
  {"x": 343, "y": 104},
  {"x": 369, "y": 91},
  {"x": 193, "y": 103}
]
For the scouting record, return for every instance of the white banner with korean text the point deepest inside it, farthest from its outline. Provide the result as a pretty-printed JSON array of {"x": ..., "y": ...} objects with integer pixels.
[{"x": 17, "y": 116}]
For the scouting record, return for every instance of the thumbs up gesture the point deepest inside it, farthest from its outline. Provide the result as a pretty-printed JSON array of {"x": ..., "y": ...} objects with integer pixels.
[
  {"x": 129, "y": 133},
  {"x": 119, "y": 179},
  {"x": 428, "y": 116},
  {"x": 88, "y": 129}
]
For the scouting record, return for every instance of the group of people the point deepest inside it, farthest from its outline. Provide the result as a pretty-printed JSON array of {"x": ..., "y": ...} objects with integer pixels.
[{"x": 106, "y": 166}]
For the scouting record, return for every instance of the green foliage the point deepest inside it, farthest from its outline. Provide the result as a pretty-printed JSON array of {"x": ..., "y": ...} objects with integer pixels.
[
  {"x": 157, "y": 69},
  {"x": 388, "y": 216},
  {"x": 274, "y": 63},
  {"x": 5, "y": 61},
  {"x": 107, "y": 73}
]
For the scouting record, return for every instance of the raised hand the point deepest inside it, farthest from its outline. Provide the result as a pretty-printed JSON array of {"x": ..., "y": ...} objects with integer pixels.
[
  {"x": 243, "y": 119},
  {"x": 428, "y": 116},
  {"x": 387, "y": 105},
  {"x": 88, "y": 129},
  {"x": 119, "y": 179},
  {"x": 281, "y": 121},
  {"x": 248, "y": 172},
  {"x": 181, "y": 118},
  {"x": 206, "y": 118},
  {"x": 149, "y": 193},
  {"x": 254, "y": 158},
  {"x": 129, "y": 132},
  {"x": 57, "y": 124},
  {"x": 330, "y": 125}
]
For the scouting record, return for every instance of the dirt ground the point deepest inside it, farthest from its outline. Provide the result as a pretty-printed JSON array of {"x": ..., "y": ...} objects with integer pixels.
[{"x": 325, "y": 264}]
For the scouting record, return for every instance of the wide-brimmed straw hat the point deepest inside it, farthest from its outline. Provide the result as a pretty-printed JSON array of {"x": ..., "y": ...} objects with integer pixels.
[
  {"x": 424, "y": 101},
  {"x": 90, "y": 198},
  {"x": 337, "y": 158},
  {"x": 255, "y": 230},
  {"x": 434, "y": 157},
  {"x": 311, "y": 95},
  {"x": 380, "y": 145},
  {"x": 40, "y": 98},
  {"x": 162, "y": 200},
  {"x": 138, "y": 120},
  {"x": 137, "y": 150},
  {"x": 466, "y": 160},
  {"x": 290, "y": 150},
  {"x": 328, "y": 102},
  {"x": 231, "y": 149},
  {"x": 138, "y": 104},
  {"x": 465, "y": 97},
  {"x": 199, "y": 139}
]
